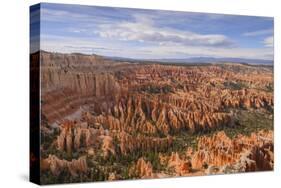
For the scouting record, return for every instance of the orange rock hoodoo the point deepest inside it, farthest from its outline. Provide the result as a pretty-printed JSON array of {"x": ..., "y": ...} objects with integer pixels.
[
  {"x": 56, "y": 165},
  {"x": 242, "y": 153}
]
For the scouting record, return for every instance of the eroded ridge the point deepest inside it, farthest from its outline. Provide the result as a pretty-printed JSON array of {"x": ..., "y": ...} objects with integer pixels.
[{"x": 105, "y": 119}]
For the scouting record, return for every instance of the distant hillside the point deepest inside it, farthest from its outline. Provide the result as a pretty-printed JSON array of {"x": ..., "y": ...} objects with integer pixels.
[
  {"x": 201, "y": 60},
  {"x": 180, "y": 61},
  {"x": 217, "y": 60}
]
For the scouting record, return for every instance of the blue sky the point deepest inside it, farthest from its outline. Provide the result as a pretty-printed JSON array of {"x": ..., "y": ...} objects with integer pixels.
[{"x": 153, "y": 34}]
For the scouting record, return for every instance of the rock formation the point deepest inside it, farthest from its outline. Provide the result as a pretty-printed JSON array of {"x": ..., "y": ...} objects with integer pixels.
[
  {"x": 73, "y": 136},
  {"x": 129, "y": 143},
  {"x": 181, "y": 167},
  {"x": 118, "y": 113},
  {"x": 56, "y": 165},
  {"x": 242, "y": 153},
  {"x": 142, "y": 169}
]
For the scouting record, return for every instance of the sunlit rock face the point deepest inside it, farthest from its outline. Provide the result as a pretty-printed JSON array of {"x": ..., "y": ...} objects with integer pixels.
[
  {"x": 57, "y": 166},
  {"x": 219, "y": 154},
  {"x": 109, "y": 120},
  {"x": 74, "y": 136},
  {"x": 180, "y": 166},
  {"x": 242, "y": 153},
  {"x": 143, "y": 169}
]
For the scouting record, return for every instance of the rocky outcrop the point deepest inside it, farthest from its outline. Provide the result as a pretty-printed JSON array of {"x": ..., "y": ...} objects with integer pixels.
[
  {"x": 247, "y": 99},
  {"x": 74, "y": 136},
  {"x": 70, "y": 81},
  {"x": 213, "y": 151},
  {"x": 56, "y": 165},
  {"x": 66, "y": 99},
  {"x": 107, "y": 146},
  {"x": 242, "y": 153},
  {"x": 129, "y": 143},
  {"x": 260, "y": 150},
  {"x": 142, "y": 169},
  {"x": 150, "y": 116},
  {"x": 219, "y": 154},
  {"x": 180, "y": 166}
]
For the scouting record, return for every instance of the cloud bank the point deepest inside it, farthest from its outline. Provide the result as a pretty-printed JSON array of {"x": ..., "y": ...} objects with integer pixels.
[{"x": 148, "y": 34}]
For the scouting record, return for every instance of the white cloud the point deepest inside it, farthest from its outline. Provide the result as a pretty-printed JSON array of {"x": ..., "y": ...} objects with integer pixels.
[
  {"x": 143, "y": 30},
  {"x": 268, "y": 41},
  {"x": 258, "y": 33},
  {"x": 57, "y": 15},
  {"x": 64, "y": 16},
  {"x": 196, "y": 51},
  {"x": 167, "y": 50}
]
